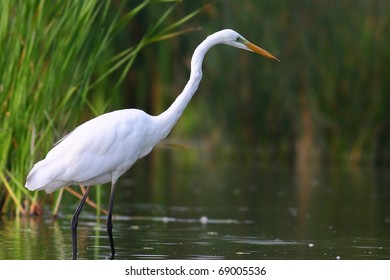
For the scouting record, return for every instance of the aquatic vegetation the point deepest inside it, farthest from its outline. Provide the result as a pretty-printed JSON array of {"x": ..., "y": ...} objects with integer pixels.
[{"x": 55, "y": 54}]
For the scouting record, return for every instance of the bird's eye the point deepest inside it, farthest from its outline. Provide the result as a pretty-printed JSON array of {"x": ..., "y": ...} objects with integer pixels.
[{"x": 238, "y": 39}]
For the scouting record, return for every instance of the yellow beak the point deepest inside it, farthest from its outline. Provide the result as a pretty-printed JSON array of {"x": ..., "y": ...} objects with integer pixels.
[{"x": 259, "y": 50}]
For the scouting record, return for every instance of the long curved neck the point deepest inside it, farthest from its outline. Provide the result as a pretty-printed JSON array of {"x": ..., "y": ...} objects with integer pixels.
[{"x": 169, "y": 118}]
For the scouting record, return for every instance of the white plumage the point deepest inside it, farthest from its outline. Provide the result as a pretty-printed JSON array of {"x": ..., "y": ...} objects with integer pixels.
[
  {"x": 96, "y": 152},
  {"x": 102, "y": 149}
]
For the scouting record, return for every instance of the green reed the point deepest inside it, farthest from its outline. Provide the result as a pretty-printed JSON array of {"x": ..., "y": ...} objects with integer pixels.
[{"x": 50, "y": 53}]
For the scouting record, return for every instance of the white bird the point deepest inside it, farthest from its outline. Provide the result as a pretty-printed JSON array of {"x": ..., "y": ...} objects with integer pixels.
[{"x": 102, "y": 149}]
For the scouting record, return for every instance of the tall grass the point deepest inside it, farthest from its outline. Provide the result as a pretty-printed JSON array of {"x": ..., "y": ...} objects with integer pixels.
[{"x": 50, "y": 53}]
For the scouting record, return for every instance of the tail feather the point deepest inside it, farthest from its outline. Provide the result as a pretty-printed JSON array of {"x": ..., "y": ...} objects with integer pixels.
[{"x": 44, "y": 176}]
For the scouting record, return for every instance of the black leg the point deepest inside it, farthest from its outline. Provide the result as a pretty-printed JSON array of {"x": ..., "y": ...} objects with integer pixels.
[
  {"x": 75, "y": 220},
  {"x": 109, "y": 221}
]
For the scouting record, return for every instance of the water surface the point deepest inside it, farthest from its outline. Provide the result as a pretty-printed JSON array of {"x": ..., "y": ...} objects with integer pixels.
[{"x": 185, "y": 205}]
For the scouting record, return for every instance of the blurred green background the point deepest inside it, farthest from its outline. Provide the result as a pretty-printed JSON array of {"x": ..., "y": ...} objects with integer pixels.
[
  {"x": 327, "y": 100},
  {"x": 63, "y": 63}
]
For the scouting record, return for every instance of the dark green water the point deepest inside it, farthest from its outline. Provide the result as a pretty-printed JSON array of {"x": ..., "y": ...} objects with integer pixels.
[{"x": 184, "y": 205}]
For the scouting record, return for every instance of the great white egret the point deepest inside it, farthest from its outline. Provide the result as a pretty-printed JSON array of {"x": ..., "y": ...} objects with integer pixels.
[{"x": 102, "y": 149}]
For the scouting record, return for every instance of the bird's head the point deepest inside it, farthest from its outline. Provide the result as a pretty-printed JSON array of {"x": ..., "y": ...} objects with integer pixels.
[{"x": 232, "y": 38}]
